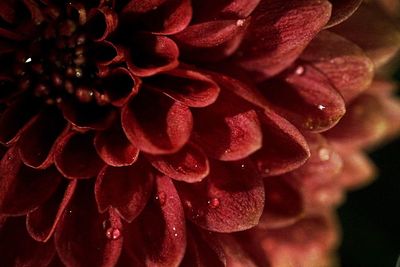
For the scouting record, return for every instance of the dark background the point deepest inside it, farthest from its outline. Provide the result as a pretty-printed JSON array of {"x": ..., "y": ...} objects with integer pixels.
[{"x": 371, "y": 216}]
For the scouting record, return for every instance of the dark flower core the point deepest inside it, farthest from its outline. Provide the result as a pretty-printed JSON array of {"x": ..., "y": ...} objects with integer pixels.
[{"x": 56, "y": 63}]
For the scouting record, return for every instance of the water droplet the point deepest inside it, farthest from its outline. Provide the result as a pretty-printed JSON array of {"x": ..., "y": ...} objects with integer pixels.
[
  {"x": 196, "y": 166},
  {"x": 324, "y": 154},
  {"x": 242, "y": 166},
  {"x": 29, "y": 59},
  {"x": 175, "y": 234},
  {"x": 321, "y": 107},
  {"x": 213, "y": 203},
  {"x": 113, "y": 233},
  {"x": 266, "y": 171},
  {"x": 299, "y": 70},
  {"x": 240, "y": 22},
  {"x": 10, "y": 158},
  {"x": 161, "y": 197}
]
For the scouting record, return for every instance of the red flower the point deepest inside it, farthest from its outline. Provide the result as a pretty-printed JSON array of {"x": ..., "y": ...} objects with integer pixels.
[{"x": 140, "y": 133}]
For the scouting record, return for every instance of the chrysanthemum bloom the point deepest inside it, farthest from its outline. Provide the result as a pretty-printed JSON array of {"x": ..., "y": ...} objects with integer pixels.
[{"x": 147, "y": 133}]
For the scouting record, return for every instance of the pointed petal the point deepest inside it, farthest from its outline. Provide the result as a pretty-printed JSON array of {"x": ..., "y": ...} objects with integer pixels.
[
  {"x": 158, "y": 236},
  {"x": 125, "y": 189},
  {"x": 114, "y": 148},
  {"x": 190, "y": 87},
  {"x": 306, "y": 98},
  {"x": 156, "y": 131},
  {"x": 76, "y": 157},
  {"x": 285, "y": 29},
  {"x": 22, "y": 189},
  {"x": 42, "y": 222},
  {"x": 19, "y": 249},
  {"x": 84, "y": 237},
  {"x": 344, "y": 64},
  {"x": 36, "y": 144},
  {"x": 229, "y": 199},
  {"x": 189, "y": 164},
  {"x": 229, "y": 129}
]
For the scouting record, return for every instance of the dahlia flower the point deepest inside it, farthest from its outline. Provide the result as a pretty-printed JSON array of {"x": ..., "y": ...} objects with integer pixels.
[{"x": 185, "y": 133}]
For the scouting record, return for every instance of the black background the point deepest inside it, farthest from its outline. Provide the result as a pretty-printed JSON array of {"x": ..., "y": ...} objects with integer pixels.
[{"x": 371, "y": 216}]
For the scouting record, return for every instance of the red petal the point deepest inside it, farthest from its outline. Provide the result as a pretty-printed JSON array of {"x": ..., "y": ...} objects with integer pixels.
[
  {"x": 114, "y": 148},
  {"x": 36, "y": 145},
  {"x": 364, "y": 123},
  {"x": 284, "y": 147},
  {"x": 189, "y": 164},
  {"x": 87, "y": 116},
  {"x": 151, "y": 54},
  {"x": 373, "y": 31},
  {"x": 283, "y": 203},
  {"x": 126, "y": 189},
  {"x": 342, "y": 10},
  {"x": 19, "y": 249},
  {"x": 41, "y": 223},
  {"x": 106, "y": 53},
  {"x": 285, "y": 29},
  {"x": 15, "y": 118},
  {"x": 85, "y": 238},
  {"x": 344, "y": 64},
  {"x": 229, "y": 129},
  {"x": 158, "y": 236},
  {"x": 22, "y": 189},
  {"x": 160, "y": 130},
  {"x": 229, "y": 199},
  {"x": 76, "y": 156},
  {"x": 190, "y": 87},
  {"x": 101, "y": 23},
  {"x": 305, "y": 98},
  {"x": 358, "y": 170},
  {"x": 207, "y": 10},
  {"x": 120, "y": 85},
  {"x": 160, "y": 17}
]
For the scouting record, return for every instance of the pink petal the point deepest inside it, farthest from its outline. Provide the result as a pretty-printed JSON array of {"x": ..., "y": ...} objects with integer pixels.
[
  {"x": 120, "y": 85},
  {"x": 190, "y": 87},
  {"x": 76, "y": 156},
  {"x": 342, "y": 10},
  {"x": 344, "y": 64},
  {"x": 19, "y": 249},
  {"x": 16, "y": 116},
  {"x": 162, "y": 130},
  {"x": 189, "y": 164},
  {"x": 284, "y": 147},
  {"x": 22, "y": 189},
  {"x": 114, "y": 148},
  {"x": 151, "y": 54},
  {"x": 36, "y": 144},
  {"x": 373, "y": 31},
  {"x": 229, "y": 129},
  {"x": 285, "y": 29},
  {"x": 101, "y": 23},
  {"x": 158, "y": 236},
  {"x": 84, "y": 237},
  {"x": 305, "y": 97},
  {"x": 160, "y": 17},
  {"x": 229, "y": 199},
  {"x": 42, "y": 222},
  {"x": 283, "y": 203},
  {"x": 125, "y": 189}
]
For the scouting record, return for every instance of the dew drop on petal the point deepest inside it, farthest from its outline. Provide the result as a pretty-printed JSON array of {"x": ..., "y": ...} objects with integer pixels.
[
  {"x": 240, "y": 22},
  {"x": 323, "y": 154},
  {"x": 161, "y": 197},
  {"x": 213, "y": 203},
  {"x": 113, "y": 233},
  {"x": 299, "y": 70},
  {"x": 321, "y": 107}
]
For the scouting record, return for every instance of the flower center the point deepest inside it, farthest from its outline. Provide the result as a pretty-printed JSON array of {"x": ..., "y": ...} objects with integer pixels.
[{"x": 57, "y": 64}]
